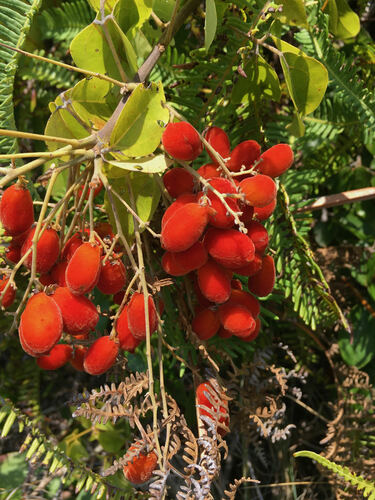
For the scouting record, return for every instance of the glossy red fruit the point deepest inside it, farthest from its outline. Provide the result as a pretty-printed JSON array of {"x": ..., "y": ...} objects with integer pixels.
[
  {"x": 9, "y": 295},
  {"x": 259, "y": 236},
  {"x": 236, "y": 284},
  {"x": 263, "y": 213},
  {"x": 78, "y": 357},
  {"x": 235, "y": 318},
  {"x": 46, "y": 279},
  {"x": 247, "y": 213},
  {"x": 178, "y": 181},
  {"x": 229, "y": 247},
  {"x": 214, "y": 282},
  {"x": 100, "y": 356},
  {"x": 104, "y": 230},
  {"x": 97, "y": 188},
  {"x": 125, "y": 337},
  {"x": 205, "y": 324},
  {"x": 79, "y": 314},
  {"x": 181, "y": 141},
  {"x": 209, "y": 171},
  {"x": 252, "y": 268},
  {"x": 83, "y": 269},
  {"x": 276, "y": 160},
  {"x": 16, "y": 209},
  {"x": 219, "y": 140},
  {"x": 141, "y": 467},
  {"x": 58, "y": 272},
  {"x": 184, "y": 227},
  {"x": 244, "y": 154},
  {"x": 18, "y": 239},
  {"x": 112, "y": 276},
  {"x": 47, "y": 250},
  {"x": 71, "y": 246},
  {"x": 13, "y": 253},
  {"x": 245, "y": 299},
  {"x": 183, "y": 199},
  {"x": 253, "y": 335},
  {"x": 259, "y": 190},
  {"x": 41, "y": 324},
  {"x": 181, "y": 263},
  {"x": 137, "y": 316},
  {"x": 263, "y": 282},
  {"x": 224, "y": 334},
  {"x": 117, "y": 298},
  {"x": 220, "y": 216},
  {"x": 208, "y": 397},
  {"x": 58, "y": 356}
]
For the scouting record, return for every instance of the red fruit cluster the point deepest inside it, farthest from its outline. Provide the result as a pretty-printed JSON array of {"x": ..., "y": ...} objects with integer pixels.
[{"x": 212, "y": 405}]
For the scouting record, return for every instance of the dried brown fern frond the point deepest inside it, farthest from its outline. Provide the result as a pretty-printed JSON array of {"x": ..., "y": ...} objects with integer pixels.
[{"x": 233, "y": 487}]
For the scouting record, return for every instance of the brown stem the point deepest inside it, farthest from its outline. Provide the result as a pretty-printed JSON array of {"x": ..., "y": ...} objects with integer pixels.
[{"x": 334, "y": 200}]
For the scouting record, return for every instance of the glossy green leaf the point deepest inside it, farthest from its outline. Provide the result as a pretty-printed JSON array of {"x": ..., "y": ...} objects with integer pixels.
[
  {"x": 293, "y": 13},
  {"x": 343, "y": 22},
  {"x": 146, "y": 165},
  {"x": 210, "y": 24},
  {"x": 111, "y": 441},
  {"x": 106, "y": 49},
  {"x": 108, "y": 5},
  {"x": 306, "y": 78},
  {"x": 131, "y": 14},
  {"x": 296, "y": 127},
  {"x": 139, "y": 127},
  {"x": 163, "y": 9},
  {"x": 146, "y": 194},
  {"x": 261, "y": 82}
]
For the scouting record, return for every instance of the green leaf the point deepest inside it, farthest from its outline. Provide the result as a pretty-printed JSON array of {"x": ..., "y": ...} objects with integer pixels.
[
  {"x": 343, "y": 22},
  {"x": 293, "y": 13},
  {"x": 111, "y": 441},
  {"x": 296, "y": 127},
  {"x": 210, "y": 23},
  {"x": 146, "y": 194},
  {"x": 306, "y": 78},
  {"x": 113, "y": 56},
  {"x": 147, "y": 165},
  {"x": 261, "y": 82},
  {"x": 131, "y": 14},
  {"x": 108, "y": 5},
  {"x": 139, "y": 127},
  {"x": 13, "y": 472},
  {"x": 362, "y": 350},
  {"x": 163, "y": 9}
]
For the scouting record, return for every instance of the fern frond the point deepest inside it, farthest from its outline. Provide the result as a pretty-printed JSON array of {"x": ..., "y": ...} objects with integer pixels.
[
  {"x": 366, "y": 487},
  {"x": 14, "y": 26}
]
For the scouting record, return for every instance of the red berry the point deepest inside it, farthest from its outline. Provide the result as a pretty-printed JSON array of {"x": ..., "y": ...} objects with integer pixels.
[
  {"x": 214, "y": 282},
  {"x": 252, "y": 268},
  {"x": 205, "y": 324},
  {"x": 263, "y": 213},
  {"x": 47, "y": 250},
  {"x": 178, "y": 181},
  {"x": 244, "y": 154},
  {"x": 16, "y": 209},
  {"x": 183, "y": 199},
  {"x": 71, "y": 246},
  {"x": 224, "y": 334},
  {"x": 259, "y": 236},
  {"x": 181, "y": 141},
  {"x": 220, "y": 216},
  {"x": 219, "y": 140},
  {"x": 247, "y": 213},
  {"x": 112, "y": 276},
  {"x": 97, "y": 189},
  {"x": 83, "y": 269},
  {"x": 229, "y": 247},
  {"x": 18, "y": 239},
  {"x": 41, "y": 324},
  {"x": 100, "y": 356},
  {"x": 79, "y": 314},
  {"x": 245, "y": 299},
  {"x": 276, "y": 160},
  {"x": 259, "y": 190},
  {"x": 9, "y": 295},
  {"x": 255, "y": 333},
  {"x": 263, "y": 282},
  {"x": 207, "y": 396},
  {"x": 58, "y": 356},
  {"x": 58, "y": 272},
  {"x": 117, "y": 298},
  {"x": 140, "y": 468},
  {"x": 137, "y": 316},
  {"x": 181, "y": 263},
  {"x": 126, "y": 339},
  {"x": 46, "y": 279},
  {"x": 13, "y": 254},
  {"x": 78, "y": 357},
  {"x": 209, "y": 171},
  {"x": 184, "y": 227},
  {"x": 104, "y": 230},
  {"x": 236, "y": 318}
]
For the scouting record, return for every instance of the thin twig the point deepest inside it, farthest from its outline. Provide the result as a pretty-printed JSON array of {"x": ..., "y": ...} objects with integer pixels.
[{"x": 334, "y": 200}]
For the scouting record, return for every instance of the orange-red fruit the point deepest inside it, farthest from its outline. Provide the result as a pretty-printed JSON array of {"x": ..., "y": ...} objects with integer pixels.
[
  {"x": 259, "y": 190},
  {"x": 224, "y": 334},
  {"x": 117, "y": 298},
  {"x": 125, "y": 337},
  {"x": 245, "y": 299},
  {"x": 16, "y": 209},
  {"x": 47, "y": 250},
  {"x": 137, "y": 316},
  {"x": 229, "y": 247},
  {"x": 140, "y": 469},
  {"x": 77, "y": 358},
  {"x": 181, "y": 141},
  {"x": 58, "y": 272},
  {"x": 214, "y": 282},
  {"x": 220, "y": 217},
  {"x": 13, "y": 253},
  {"x": 46, "y": 279},
  {"x": 204, "y": 395},
  {"x": 245, "y": 153},
  {"x": 235, "y": 318},
  {"x": 263, "y": 282},
  {"x": 276, "y": 160},
  {"x": 205, "y": 324},
  {"x": 71, "y": 246},
  {"x": 79, "y": 314},
  {"x": 9, "y": 295},
  {"x": 252, "y": 268},
  {"x": 184, "y": 227},
  {"x": 83, "y": 269},
  {"x": 263, "y": 213},
  {"x": 181, "y": 263},
  {"x": 209, "y": 171},
  {"x": 97, "y": 190},
  {"x": 100, "y": 356},
  {"x": 178, "y": 181},
  {"x": 112, "y": 276},
  {"x": 253, "y": 335},
  {"x": 258, "y": 234},
  {"x": 41, "y": 324},
  {"x": 247, "y": 213},
  {"x": 219, "y": 140},
  {"x": 183, "y": 199},
  {"x": 104, "y": 230},
  {"x": 58, "y": 356}
]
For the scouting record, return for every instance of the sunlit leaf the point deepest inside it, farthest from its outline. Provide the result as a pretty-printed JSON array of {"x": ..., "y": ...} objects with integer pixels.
[
  {"x": 147, "y": 165},
  {"x": 293, "y": 13},
  {"x": 343, "y": 22},
  {"x": 210, "y": 23}
]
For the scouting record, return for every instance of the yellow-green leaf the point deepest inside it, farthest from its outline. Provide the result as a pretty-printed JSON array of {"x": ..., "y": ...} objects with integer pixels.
[
  {"x": 147, "y": 165},
  {"x": 293, "y": 13},
  {"x": 343, "y": 22},
  {"x": 210, "y": 24},
  {"x": 131, "y": 14}
]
